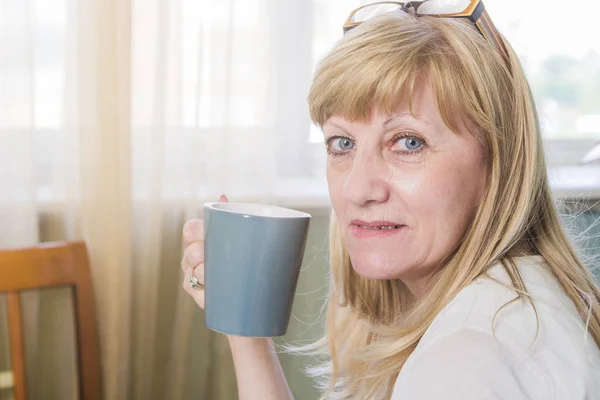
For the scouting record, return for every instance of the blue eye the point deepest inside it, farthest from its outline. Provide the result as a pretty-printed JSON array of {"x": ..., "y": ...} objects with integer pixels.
[
  {"x": 343, "y": 144},
  {"x": 410, "y": 143}
]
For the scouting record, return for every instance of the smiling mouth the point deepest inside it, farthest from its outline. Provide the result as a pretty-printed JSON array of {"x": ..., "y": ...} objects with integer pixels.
[
  {"x": 382, "y": 227},
  {"x": 376, "y": 231}
]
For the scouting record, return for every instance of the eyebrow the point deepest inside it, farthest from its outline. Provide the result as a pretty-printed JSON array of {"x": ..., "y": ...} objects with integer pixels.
[
  {"x": 337, "y": 126},
  {"x": 394, "y": 117},
  {"x": 401, "y": 115}
]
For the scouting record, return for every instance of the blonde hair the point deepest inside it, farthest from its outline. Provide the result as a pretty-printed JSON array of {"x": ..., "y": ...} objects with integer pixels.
[{"x": 372, "y": 326}]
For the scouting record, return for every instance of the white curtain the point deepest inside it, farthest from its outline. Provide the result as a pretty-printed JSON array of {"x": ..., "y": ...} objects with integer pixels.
[{"x": 118, "y": 120}]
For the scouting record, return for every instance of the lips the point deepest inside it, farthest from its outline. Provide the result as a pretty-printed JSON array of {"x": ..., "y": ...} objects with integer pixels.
[
  {"x": 376, "y": 225},
  {"x": 376, "y": 230},
  {"x": 383, "y": 227}
]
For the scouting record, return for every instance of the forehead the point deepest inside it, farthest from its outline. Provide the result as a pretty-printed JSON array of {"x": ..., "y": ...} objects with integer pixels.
[
  {"x": 420, "y": 109},
  {"x": 378, "y": 120}
]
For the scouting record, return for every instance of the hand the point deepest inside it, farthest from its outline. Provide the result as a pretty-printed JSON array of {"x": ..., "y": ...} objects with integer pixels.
[{"x": 193, "y": 256}]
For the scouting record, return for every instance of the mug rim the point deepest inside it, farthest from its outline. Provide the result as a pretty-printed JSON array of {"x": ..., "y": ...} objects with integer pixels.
[{"x": 282, "y": 212}]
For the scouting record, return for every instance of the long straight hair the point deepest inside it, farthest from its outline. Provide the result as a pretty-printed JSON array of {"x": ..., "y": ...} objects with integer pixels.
[{"x": 372, "y": 326}]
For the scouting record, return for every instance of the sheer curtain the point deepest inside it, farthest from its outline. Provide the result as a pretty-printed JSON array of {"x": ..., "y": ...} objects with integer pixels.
[{"x": 118, "y": 120}]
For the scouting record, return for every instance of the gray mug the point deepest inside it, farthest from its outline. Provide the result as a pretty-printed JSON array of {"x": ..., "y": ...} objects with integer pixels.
[{"x": 252, "y": 259}]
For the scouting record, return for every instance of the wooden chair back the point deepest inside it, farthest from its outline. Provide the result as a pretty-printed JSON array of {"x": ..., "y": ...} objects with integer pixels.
[{"x": 44, "y": 266}]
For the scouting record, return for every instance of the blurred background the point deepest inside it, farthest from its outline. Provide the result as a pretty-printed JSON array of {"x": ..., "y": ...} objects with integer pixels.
[{"x": 120, "y": 118}]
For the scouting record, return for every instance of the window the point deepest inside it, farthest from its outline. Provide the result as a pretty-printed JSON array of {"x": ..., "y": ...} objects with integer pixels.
[{"x": 254, "y": 88}]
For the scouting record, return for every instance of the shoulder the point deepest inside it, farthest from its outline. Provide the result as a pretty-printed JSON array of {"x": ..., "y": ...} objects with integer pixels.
[
  {"x": 491, "y": 304},
  {"x": 486, "y": 339},
  {"x": 479, "y": 305},
  {"x": 469, "y": 364},
  {"x": 467, "y": 353}
]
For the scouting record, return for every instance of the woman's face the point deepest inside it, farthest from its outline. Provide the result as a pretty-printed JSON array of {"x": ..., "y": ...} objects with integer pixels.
[{"x": 410, "y": 173}]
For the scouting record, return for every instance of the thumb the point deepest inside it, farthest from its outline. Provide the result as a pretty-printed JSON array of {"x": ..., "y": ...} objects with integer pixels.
[{"x": 223, "y": 198}]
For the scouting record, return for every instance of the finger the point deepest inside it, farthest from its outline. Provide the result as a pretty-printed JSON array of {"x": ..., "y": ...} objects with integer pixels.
[
  {"x": 193, "y": 231},
  {"x": 184, "y": 265},
  {"x": 194, "y": 254},
  {"x": 197, "y": 270},
  {"x": 197, "y": 295},
  {"x": 192, "y": 257},
  {"x": 199, "y": 273}
]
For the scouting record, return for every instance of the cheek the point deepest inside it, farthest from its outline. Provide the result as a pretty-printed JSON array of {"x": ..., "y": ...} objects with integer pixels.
[
  {"x": 462, "y": 182},
  {"x": 455, "y": 191},
  {"x": 443, "y": 196},
  {"x": 452, "y": 184},
  {"x": 335, "y": 185},
  {"x": 424, "y": 188}
]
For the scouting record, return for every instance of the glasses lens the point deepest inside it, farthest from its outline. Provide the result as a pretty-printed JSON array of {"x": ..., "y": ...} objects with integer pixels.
[
  {"x": 372, "y": 10},
  {"x": 444, "y": 6}
]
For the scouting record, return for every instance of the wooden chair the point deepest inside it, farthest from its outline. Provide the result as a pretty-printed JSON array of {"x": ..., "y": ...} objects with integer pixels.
[{"x": 48, "y": 265}]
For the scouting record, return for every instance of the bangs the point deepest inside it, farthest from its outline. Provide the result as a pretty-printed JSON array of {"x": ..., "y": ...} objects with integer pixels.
[
  {"x": 381, "y": 65},
  {"x": 355, "y": 92}
]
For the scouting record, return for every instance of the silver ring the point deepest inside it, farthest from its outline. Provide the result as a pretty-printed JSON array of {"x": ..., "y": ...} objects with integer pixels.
[{"x": 193, "y": 281}]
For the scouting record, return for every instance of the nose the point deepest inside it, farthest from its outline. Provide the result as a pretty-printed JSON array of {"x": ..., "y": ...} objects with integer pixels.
[{"x": 367, "y": 181}]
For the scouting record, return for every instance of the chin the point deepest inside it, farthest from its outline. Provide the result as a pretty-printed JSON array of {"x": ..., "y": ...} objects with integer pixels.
[{"x": 376, "y": 267}]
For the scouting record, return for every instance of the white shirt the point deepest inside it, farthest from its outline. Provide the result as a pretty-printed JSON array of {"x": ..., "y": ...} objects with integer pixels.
[{"x": 458, "y": 358}]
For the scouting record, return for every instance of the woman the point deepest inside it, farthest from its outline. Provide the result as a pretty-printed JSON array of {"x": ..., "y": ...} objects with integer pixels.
[{"x": 451, "y": 277}]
